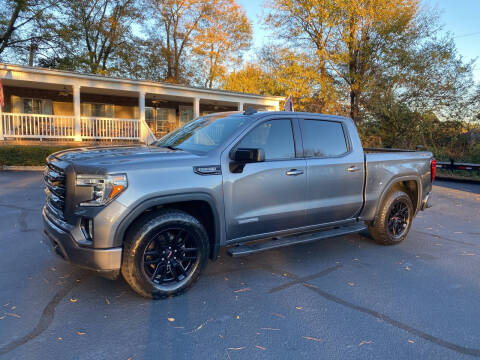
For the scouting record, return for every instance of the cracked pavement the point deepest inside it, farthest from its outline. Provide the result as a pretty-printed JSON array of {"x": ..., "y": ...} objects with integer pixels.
[{"x": 345, "y": 298}]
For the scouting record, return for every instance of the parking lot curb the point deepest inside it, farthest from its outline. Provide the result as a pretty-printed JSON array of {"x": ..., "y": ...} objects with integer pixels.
[{"x": 21, "y": 168}]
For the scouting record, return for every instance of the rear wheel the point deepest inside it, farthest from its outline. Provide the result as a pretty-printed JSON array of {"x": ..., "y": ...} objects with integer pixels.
[
  {"x": 164, "y": 253},
  {"x": 393, "y": 220}
]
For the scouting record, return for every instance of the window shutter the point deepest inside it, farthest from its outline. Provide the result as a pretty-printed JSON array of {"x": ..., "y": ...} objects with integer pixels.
[
  {"x": 16, "y": 104},
  {"x": 109, "y": 110},
  {"x": 86, "y": 109},
  {"x": 47, "y": 108}
]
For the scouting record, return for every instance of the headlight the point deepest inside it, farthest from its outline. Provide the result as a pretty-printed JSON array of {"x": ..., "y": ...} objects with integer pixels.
[{"x": 104, "y": 187}]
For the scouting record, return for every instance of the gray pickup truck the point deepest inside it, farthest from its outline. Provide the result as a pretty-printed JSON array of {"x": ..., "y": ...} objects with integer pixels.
[{"x": 248, "y": 181}]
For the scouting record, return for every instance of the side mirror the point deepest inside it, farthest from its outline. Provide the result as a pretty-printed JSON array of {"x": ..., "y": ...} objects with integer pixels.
[{"x": 244, "y": 155}]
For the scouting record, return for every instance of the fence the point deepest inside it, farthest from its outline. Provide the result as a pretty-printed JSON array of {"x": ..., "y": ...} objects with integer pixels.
[
  {"x": 452, "y": 165},
  {"x": 36, "y": 126}
]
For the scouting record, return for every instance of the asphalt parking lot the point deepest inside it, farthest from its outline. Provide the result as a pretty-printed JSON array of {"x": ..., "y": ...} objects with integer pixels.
[{"x": 344, "y": 298}]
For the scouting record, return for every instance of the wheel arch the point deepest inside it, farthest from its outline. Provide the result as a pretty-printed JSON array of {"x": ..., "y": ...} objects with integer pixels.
[
  {"x": 410, "y": 184},
  {"x": 200, "y": 205}
]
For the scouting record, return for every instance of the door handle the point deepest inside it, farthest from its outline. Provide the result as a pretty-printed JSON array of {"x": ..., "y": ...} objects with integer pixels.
[
  {"x": 353, "y": 168},
  {"x": 294, "y": 172}
]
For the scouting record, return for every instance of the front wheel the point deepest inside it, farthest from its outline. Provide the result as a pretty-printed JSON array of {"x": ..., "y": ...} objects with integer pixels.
[
  {"x": 393, "y": 220},
  {"x": 164, "y": 253}
]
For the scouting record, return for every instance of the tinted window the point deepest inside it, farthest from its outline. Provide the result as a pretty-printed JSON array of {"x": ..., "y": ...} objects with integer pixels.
[
  {"x": 203, "y": 134},
  {"x": 275, "y": 137},
  {"x": 323, "y": 138}
]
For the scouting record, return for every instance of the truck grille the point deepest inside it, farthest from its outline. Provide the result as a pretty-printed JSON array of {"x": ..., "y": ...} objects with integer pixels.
[{"x": 54, "y": 178}]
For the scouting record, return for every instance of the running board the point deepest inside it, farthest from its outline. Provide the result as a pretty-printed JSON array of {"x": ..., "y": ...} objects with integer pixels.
[{"x": 248, "y": 249}]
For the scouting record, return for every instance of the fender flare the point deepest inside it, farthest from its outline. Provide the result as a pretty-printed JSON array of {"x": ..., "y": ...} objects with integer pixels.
[
  {"x": 395, "y": 180},
  {"x": 168, "y": 199}
]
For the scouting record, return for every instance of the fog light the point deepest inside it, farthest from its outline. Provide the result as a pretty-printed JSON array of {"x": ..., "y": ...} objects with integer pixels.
[{"x": 87, "y": 228}]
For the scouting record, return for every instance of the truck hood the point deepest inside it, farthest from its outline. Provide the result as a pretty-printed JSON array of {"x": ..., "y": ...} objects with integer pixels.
[{"x": 118, "y": 155}]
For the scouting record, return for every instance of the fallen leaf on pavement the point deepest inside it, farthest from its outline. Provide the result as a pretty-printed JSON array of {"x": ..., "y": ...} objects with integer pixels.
[
  {"x": 260, "y": 347},
  {"x": 12, "y": 314},
  {"x": 298, "y": 307},
  {"x": 408, "y": 268},
  {"x": 312, "y": 338},
  {"x": 13, "y": 308},
  {"x": 171, "y": 319},
  {"x": 242, "y": 290},
  {"x": 81, "y": 333},
  {"x": 411, "y": 341},
  {"x": 351, "y": 283},
  {"x": 365, "y": 342},
  {"x": 107, "y": 301},
  {"x": 237, "y": 317},
  {"x": 73, "y": 300},
  {"x": 60, "y": 339}
]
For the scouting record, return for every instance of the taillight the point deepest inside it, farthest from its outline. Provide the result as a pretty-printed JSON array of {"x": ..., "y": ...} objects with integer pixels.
[{"x": 433, "y": 169}]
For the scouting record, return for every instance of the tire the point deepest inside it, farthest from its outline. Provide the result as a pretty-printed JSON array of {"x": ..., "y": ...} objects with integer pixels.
[
  {"x": 393, "y": 220},
  {"x": 155, "y": 264}
]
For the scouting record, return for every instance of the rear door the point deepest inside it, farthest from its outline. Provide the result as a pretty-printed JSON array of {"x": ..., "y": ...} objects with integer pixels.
[
  {"x": 269, "y": 196},
  {"x": 335, "y": 172}
]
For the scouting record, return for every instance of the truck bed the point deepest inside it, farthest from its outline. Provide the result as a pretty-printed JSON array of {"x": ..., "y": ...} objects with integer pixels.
[{"x": 382, "y": 166}]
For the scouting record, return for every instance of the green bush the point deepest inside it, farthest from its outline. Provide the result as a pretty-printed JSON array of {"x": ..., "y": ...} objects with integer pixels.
[{"x": 27, "y": 155}]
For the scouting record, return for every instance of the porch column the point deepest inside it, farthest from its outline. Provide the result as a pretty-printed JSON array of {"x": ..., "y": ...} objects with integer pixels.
[
  {"x": 196, "y": 107},
  {"x": 141, "y": 113},
  {"x": 77, "y": 112},
  {"x": 240, "y": 106}
]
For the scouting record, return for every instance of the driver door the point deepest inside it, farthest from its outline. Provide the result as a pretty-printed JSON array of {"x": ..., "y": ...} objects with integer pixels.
[{"x": 266, "y": 197}]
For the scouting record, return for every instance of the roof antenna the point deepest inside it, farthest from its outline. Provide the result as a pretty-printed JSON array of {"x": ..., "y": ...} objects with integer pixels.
[{"x": 250, "y": 111}]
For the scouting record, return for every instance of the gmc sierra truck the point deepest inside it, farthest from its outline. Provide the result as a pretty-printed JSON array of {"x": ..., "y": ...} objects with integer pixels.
[{"x": 248, "y": 181}]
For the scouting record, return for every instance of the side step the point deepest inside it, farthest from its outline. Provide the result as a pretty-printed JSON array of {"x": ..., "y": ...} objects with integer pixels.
[{"x": 248, "y": 249}]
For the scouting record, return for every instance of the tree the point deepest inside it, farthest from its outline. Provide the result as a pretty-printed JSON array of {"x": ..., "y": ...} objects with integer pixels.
[
  {"x": 91, "y": 34},
  {"x": 20, "y": 22},
  {"x": 250, "y": 79},
  {"x": 366, "y": 46},
  {"x": 283, "y": 72},
  {"x": 175, "y": 25},
  {"x": 219, "y": 44}
]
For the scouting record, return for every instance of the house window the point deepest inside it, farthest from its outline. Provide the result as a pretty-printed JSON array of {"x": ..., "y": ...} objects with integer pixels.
[
  {"x": 37, "y": 106},
  {"x": 157, "y": 119},
  {"x": 98, "y": 110},
  {"x": 186, "y": 113}
]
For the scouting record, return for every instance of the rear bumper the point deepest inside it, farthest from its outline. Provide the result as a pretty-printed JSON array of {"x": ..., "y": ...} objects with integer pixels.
[
  {"x": 426, "y": 202},
  {"x": 105, "y": 261}
]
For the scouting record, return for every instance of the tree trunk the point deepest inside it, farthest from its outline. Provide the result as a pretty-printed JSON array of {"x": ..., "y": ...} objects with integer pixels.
[{"x": 354, "y": 106}]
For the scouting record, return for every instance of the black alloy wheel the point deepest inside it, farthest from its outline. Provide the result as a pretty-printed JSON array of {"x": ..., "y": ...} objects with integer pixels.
[
  {"x": 164, "y": 253},
  {"x": 398, "y": 218},
  {"x": 170, "y": 256}
]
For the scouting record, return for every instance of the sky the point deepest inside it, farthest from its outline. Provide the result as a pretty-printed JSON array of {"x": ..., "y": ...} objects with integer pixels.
[{"x": 459, "y": 17}]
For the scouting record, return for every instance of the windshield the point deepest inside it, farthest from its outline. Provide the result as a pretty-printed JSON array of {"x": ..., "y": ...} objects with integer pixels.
[{"x": 203, "y": 134}]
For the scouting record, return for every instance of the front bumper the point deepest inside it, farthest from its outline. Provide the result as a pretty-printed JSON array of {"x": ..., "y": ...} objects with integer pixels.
[{"x": 105, "y": 261}]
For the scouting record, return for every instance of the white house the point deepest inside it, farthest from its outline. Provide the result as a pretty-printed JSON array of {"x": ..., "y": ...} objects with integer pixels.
[{"x": 55, "y": 104}]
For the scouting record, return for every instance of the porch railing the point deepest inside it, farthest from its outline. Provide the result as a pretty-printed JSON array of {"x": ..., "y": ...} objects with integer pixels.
[
  {"x": 110, "y": 128},
  {"x": 15, "y": 125},
  {"x": 37, "y": 126}
]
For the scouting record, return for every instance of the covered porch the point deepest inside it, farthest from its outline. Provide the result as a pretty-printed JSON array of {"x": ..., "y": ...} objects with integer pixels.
[{"x": 46, "y": 104}]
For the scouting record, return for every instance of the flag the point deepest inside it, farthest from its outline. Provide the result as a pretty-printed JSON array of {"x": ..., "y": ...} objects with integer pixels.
[
  {"x": 2, "y": 98},
  {"x": 288, "y": 104}
]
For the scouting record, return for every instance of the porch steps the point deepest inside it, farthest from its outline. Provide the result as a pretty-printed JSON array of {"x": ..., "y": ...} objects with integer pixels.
[{"x": 258, "y": 246}]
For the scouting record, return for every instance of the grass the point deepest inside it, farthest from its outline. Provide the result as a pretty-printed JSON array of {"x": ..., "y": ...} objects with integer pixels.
[{"x": 28, "y": 155}]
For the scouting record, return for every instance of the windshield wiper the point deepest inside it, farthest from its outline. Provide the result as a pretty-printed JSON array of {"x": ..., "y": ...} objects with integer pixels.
[{"x": 172, "y": 147}]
